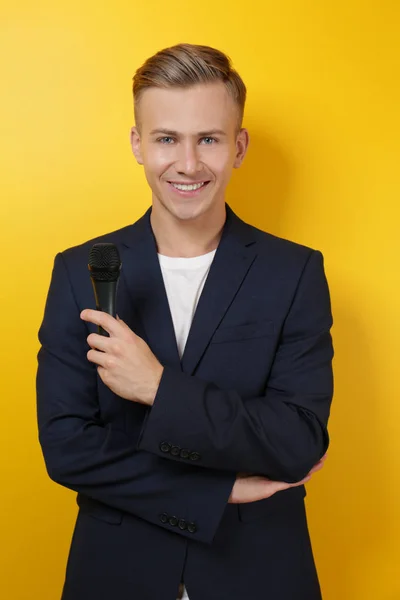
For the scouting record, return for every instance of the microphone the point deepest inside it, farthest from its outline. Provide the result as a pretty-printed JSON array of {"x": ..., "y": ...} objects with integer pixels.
[{"x": 104, "y": 267}]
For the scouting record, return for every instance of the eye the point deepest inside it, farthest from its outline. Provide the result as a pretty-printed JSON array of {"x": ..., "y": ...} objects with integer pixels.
[
  {"x": 167, "y": 140},
  {"x": 167, "y": 137}
]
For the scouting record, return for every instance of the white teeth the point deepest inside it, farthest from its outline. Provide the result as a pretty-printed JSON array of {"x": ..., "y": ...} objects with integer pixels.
[{"x": 187, "y": 188}]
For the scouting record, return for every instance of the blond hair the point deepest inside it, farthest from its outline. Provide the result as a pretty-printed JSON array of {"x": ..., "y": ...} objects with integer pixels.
[{"x": 185, "y": 65}]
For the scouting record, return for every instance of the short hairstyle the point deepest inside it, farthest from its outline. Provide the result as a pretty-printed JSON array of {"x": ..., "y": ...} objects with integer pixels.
[{"x": 185, "y": 65}]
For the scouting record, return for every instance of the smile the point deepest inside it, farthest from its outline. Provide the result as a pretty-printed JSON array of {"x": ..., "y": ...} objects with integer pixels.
[
  {"x": 185, "y": 190},
  {"x": 188, "y": 188}
]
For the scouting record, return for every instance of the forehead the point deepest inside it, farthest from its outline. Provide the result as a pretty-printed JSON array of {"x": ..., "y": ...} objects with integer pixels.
[{"x": 197, "y": 108}]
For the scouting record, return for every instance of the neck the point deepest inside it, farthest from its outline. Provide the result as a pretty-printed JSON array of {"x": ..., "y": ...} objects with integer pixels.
[{"x": 187, "y": 238}]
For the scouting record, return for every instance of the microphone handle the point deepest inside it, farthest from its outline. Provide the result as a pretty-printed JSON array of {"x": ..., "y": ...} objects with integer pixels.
[{"x": 105, "y": 293}]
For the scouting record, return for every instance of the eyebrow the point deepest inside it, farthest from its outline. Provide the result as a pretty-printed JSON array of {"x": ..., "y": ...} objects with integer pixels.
[{"x": 200, "y": 133}]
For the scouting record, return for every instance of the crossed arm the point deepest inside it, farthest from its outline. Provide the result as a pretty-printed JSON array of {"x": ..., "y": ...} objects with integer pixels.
[{"x": 281, "y": 435}]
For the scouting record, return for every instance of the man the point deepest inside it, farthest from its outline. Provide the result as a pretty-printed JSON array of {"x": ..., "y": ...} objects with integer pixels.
[{"x": 189, "y": 432}]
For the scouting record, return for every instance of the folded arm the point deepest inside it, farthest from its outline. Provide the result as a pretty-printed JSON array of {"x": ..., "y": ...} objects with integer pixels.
[{"x": 280, "y": 434}]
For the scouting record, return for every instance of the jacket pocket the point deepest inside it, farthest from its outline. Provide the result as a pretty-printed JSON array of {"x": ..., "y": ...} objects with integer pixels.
[
  {"x": 99, "y": 510},
  {"x": 243, "y": 332},
  {"x": 279, "y": 501}
]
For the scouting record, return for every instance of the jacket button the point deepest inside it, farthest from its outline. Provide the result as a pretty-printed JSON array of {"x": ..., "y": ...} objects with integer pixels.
[
  {"x": 175, "y": 450},
  {"x": 164, "y": 518},
  {"x": 173, "y": 521},
  {"x": 192, "y": 527},
  {"x": 165, "y": 447},
  {"x": 182, "y": 524},
  {"x": 194, "y": 456},
  {"x": 184, "y": 453}
]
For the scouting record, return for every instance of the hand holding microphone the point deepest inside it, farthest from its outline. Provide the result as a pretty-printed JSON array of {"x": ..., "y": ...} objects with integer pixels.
[{"x": 125, "y": 362}]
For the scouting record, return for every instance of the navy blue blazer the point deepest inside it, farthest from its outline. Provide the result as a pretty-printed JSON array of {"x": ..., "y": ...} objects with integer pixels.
[{"x": 252, "y": 393}]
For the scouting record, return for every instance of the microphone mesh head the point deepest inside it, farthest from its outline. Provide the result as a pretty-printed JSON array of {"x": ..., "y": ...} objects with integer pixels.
[{"x": 104, "y": 262}]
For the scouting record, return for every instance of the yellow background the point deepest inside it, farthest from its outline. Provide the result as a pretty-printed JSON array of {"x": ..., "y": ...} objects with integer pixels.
[{"x": 322, "y": 169}]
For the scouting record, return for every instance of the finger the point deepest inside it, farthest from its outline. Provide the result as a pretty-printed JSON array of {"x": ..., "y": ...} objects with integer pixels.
[
  {"x": 317, "y": 467},
  {"x": 106, "y": 321},
  {"x": 302, "y": 481},
  {"x": 298, "y": 483},
  {"x": 98, "y": 358},
  {"x": 98, "y": 342},
  {"x": 278, "y": 486}
]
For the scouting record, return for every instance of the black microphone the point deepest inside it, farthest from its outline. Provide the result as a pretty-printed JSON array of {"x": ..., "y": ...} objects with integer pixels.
[{"x": 104, "y": 266}]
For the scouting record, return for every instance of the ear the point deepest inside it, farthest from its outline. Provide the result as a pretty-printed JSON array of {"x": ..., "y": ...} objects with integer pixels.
[
  {"x": 242, "y": 143},
  {"x": 136, "y": 144}
]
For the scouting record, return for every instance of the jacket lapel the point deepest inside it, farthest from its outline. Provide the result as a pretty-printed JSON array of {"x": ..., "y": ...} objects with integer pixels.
[{"x": 141, "y": 272}]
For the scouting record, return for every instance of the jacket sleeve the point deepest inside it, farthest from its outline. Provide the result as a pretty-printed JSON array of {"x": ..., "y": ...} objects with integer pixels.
[
  {"x": 280, "y": 434},
  {"x": 97, "y": 458}
]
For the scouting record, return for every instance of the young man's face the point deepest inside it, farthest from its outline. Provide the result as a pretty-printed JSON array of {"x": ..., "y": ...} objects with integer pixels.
[{"x": 188, "y": 136}]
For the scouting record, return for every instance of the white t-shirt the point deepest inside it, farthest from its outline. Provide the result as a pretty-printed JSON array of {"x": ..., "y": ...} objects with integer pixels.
[{"x": 184, "y": 280}]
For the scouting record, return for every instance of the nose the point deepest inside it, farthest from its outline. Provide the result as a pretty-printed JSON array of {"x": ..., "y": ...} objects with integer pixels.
[{"x": 188, "y": 162}]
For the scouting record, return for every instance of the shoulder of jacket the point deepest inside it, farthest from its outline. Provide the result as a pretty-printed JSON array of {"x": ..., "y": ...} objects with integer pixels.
[
  {"x": 82, "y": 249},
  {"x": 282, "y": 248}
]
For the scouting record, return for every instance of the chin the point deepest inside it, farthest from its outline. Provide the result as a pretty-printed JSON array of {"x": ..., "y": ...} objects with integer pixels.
[{"x": 187, "y": 211}]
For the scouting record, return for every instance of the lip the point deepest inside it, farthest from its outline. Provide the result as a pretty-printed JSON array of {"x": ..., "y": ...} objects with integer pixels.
[
  {"x": 189, "y": 182},
  {"x": 189, "y": 193}
]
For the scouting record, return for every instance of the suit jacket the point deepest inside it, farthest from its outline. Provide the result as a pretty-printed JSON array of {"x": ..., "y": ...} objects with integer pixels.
[{"x": 252, "y": 393}]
